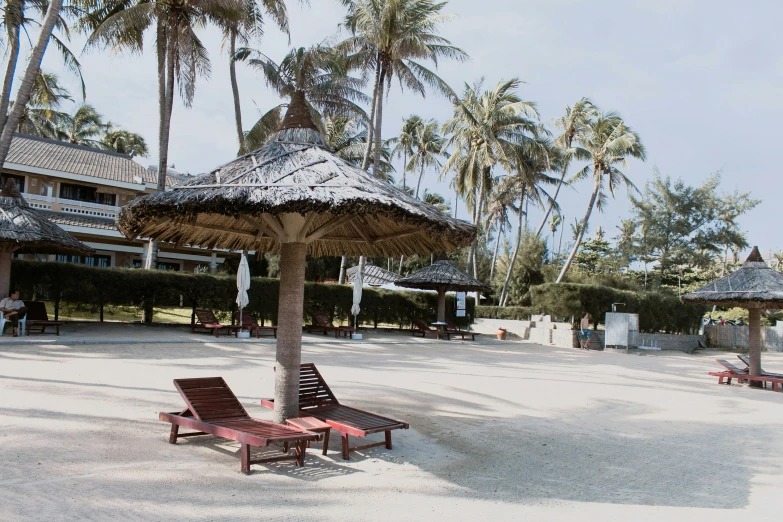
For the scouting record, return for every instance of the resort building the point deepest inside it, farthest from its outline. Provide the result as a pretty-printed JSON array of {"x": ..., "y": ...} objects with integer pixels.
[{"x": 82, "y": 190}]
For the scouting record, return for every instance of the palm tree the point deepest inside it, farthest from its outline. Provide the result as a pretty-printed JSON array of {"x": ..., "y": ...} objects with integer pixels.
[
  {"x": 573, "y": 125},
  {"x": 610, "y": 142},
  {"x": 84, "y": 127},
  {"x": 436, "y": 200},
  {"x": 403, "y": 144},
  {"x": 319, "y": 73},
  {"x": 428, "y": 147},
  {"x": 181, "y": 56},
  {"x": 245, "y": 30},
  {"x": 392, "y": 37},
  {"x": 531, "y": 163},
  {"x": 554, "y": 223},
  {"x": 16, "y": 23},
  {"x": 41, "y": 116},
  {"x": 485, "y": 131},
  {"x": 500, "y": 201},
  {"x": 30, "y": 75},
  {"x": 120, "y": 140}
]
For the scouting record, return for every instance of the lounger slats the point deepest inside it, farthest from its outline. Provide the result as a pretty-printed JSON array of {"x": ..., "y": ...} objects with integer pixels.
[
  {"x": 210, "y": 398},
  {"x": 360, "y": 420}
]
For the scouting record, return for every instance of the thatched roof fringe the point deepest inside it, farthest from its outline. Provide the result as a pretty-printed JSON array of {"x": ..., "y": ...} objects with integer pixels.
[{"x": 442, "y": 274}]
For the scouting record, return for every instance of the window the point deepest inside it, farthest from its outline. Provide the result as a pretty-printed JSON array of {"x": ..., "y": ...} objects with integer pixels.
[
  {"x": 98, "y": 260},
  {"x": 106, "y": 199},
  {"x": 78, "y": 192},
  {"x": 169, "y": 266},
  {"x": 18, "y": 180}
]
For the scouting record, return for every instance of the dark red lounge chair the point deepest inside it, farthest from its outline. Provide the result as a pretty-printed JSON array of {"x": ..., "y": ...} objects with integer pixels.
[
  {"x": 250, "y": 323},
  {"x": 213, "y": 409},
  {"x": 452, "y": 329},
  {"x": 420, "y": 327},
  {"x": 38, "y": 318},
  {"x": 745, "y": 359},
  {"x": 317, "y": 400},
  {"x": 322, "y": 324},
  {"x": 741, "y": 374},
  {"x": 208, "y": 321}
]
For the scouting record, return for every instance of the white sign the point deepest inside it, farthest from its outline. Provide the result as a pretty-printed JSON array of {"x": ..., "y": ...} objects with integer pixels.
[{"x": 461, "y": 304}]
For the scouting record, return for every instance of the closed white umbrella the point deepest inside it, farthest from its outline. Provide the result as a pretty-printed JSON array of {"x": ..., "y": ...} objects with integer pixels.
[
  {"x": 357, "y": 291},
  {"x": 243, "y": 285}
]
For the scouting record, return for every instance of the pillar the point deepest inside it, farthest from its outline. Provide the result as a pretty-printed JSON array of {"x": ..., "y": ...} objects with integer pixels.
[
  {"x": 5, "y": 273},
  {"x": 754, "y": 344},
  {"x": 441, "y": 304},
  {"x": 213, "y": 264},
  {"x": 289, "y": 330}
]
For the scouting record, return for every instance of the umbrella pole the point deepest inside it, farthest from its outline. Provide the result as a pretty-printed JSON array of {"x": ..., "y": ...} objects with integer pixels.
[
  {"x": 441, "y": 304},
  {"x": 5, "y": 273},
  {"x": 289, "y": 330},
  {"x": 754, "y": 344}
]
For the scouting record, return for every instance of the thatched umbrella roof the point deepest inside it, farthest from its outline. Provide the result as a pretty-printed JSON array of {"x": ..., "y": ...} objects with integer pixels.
[
  {"x": 442, "y": 274},
  {"x": 293, "y": 195},
  {"x": 753, "y": 285},
  {"x": 25, "y": 229},
  {"x": 372, "y": 275},
  {"x": 350, "y": 212}
]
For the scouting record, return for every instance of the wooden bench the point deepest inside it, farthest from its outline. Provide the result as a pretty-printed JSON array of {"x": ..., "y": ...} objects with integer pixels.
[
  {"x": 213, "y": 409},
  {"x": 37, "y": 317},
  {"x": 451, "y": 329},
  {"x": 317, "y": 400},
  {"x": 208, "y": 321}
]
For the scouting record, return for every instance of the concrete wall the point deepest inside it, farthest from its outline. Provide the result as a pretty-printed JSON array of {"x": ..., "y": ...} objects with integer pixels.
[{"x": 669, "y": 341}]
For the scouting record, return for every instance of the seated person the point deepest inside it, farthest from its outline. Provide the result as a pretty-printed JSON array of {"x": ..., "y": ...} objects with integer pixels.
[{"x": 13, "y": 310}]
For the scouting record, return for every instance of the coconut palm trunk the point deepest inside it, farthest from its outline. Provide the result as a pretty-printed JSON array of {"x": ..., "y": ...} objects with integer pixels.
[
  {"x": 232, "y": 73},
  {"x": 551, "y": 205},
  {"x": 371, "y": 123},
  {"x": 376, "y": 163},
  {"x": 421, "y": 175},
  {"x": 289, "y": 330},
  {"x": 582, "y": 228},
  {"x": 513, "y": 260},
  {"x": 754, "y": 344},
  {"x": 13, "y": 58},
  {"x": 495, "y": 253},
  {"x": 33, "y": 68}
]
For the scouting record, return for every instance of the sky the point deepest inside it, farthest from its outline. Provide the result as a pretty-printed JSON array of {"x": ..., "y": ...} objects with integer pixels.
[{"x": 700, "y": 81}]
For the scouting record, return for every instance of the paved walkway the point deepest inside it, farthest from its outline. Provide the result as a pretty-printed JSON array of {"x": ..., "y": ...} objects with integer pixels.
[{"x": 499, "y": 431}]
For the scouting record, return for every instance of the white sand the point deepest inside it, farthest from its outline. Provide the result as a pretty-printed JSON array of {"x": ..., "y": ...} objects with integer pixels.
[{"x": 499, "y": 431}]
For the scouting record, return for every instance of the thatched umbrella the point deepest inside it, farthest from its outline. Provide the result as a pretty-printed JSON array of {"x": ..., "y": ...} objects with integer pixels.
[
  {"x": 295, "y": 197},
  {"x": 443, "y": 277},
  {"x": 754, "y": 286},
  {"x": 372, "y": 275},
  {"x": 25, "y": 229}
]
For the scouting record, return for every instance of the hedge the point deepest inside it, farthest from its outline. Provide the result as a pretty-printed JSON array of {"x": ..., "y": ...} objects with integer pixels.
[
  {"x": 98, "y": 287},
  {"x": 519, "y": 313},
  {"x": 658, "y": 311}
]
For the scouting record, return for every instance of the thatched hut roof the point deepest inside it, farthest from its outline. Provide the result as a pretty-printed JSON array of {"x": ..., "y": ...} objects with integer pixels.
[
  {"x": 754, "y": 285},
  {"x": 442, "y": 274},
  {"x": 25, "y": 229},
  {"x": 372, "y": 275},
  {"x": 349, "y": 212}
]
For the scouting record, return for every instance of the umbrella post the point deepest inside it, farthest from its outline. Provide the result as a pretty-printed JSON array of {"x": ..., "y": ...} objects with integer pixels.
[
  {"x": 441, "y": 304},
  {"x": 289, "y": 330},
  {"x": 754, "y": 343},
  {"x": 5, "y": 273}
]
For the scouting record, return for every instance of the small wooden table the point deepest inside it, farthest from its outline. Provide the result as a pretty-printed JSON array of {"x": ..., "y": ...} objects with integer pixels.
[
  {"x": 310, "y": 424},
  {"x": 441, "y": 326}
]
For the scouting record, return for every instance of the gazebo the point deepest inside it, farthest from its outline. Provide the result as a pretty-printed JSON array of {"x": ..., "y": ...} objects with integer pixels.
[
  {"x": 24, "y": 229},
  {"x": 296, "y": 197},
  {"x": 754, "y": 286},
  {"x": 442, "y": 276}
]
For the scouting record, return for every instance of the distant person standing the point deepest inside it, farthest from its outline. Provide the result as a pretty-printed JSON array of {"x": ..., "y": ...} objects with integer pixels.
[
  {"x": 584, "y": 331},
  {"x": 13, "y": 310}
]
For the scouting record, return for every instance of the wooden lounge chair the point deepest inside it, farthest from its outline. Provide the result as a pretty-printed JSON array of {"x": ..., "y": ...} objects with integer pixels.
[
  {"x": 208, "y": 321},
  {"x": 38, "y": 318},
  {"x": 317, "y": 400},
  {"x": 741, "y": 374},
  {"x": 745, "y": 359},
  {"x": 213, "y": 409},
  {"x": 420, "y": 327},
  {"x": 322, "y": 324},
  {"x": 250, "y": 323},
  {"x": 452, "y": 329}
]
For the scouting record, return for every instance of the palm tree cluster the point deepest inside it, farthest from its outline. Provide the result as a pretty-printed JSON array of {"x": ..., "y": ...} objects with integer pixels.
[{"x": 494, "y": 150}]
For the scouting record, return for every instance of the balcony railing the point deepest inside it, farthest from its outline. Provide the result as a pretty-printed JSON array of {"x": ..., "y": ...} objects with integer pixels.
[{"x": 71, "y": 205}]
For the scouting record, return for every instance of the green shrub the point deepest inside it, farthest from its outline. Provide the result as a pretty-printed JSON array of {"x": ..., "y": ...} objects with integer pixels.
[
  {"x": 519, "y": 313},
  {"x": 658, "y": 311},
  {"x": 94, "y": 289}
]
